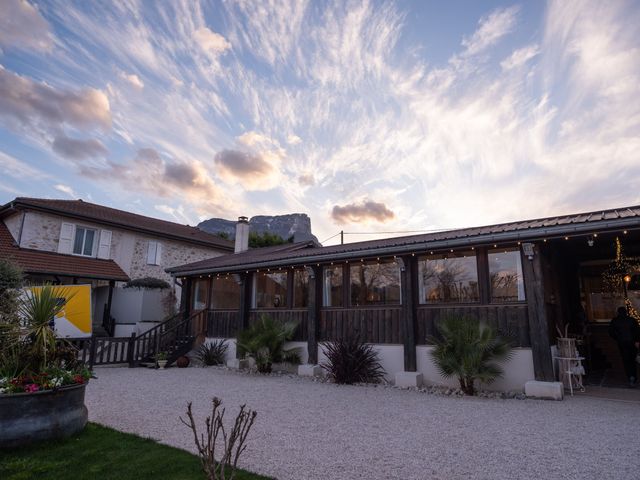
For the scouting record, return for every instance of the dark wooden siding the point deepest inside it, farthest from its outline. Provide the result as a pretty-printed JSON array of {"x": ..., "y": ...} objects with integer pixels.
[
  {"x": 374, "y": 325},
  {"x": 222, "y": 323},
  {"x": 296, "y": 315},
  {"x": 510, "y": 321}
]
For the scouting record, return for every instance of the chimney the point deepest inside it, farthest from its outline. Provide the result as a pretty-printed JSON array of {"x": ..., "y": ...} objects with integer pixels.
[{"x": 242, "y": 235}]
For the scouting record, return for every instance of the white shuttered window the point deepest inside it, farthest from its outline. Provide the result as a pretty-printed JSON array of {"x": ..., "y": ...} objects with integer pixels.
[{"x": 154, "y": 253}]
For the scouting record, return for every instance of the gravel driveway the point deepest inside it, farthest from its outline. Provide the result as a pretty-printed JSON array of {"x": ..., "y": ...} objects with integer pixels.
[{"x": 313, "y": 430}]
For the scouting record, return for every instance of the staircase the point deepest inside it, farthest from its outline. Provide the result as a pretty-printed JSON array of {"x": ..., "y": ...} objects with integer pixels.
[{"x": 174, "y": 336}]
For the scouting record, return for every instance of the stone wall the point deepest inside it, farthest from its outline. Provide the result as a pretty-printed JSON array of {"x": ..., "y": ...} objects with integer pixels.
[
  {"x": 13, "y": 225},
  {"x": 41, "y": 231}
]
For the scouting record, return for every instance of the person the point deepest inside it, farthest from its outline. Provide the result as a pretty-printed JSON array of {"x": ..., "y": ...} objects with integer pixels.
[{"x": 626, "y": 332}]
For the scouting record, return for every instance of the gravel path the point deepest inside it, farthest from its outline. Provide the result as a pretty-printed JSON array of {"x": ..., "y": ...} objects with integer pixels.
[{"x": 312, "y": 430}]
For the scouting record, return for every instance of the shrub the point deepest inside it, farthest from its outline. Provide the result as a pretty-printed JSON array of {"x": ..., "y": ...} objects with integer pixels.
[
  {"x": 11, "y": 279},
  {"x": 232, "y": 442},
  {"x": 150, "y": 283},
  {"x": 469, "y": 350},
  {"x": 264, "y": 342},
  {"x": 349, "y": 360},
  {"x": 213, "y": 353}
]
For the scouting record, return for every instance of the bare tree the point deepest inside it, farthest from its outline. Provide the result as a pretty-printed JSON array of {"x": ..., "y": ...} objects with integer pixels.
[{"x": 233, "y": 443}]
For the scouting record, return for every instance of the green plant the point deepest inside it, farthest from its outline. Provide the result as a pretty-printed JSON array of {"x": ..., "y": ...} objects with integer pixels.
[
  {"x": 160, "y": 356},
  {"x": 213, "y": 353},
  {"x": 264, "y": 342},
  {"x": 11, "y": 279},
  {"x": 470, "y": 351},
  {"x": 150, "y": 283},
  {"x": 349, "y": 360}
]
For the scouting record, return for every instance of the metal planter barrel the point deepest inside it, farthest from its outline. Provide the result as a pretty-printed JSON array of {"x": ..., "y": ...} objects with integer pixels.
[{"x": 31, "y": 417}]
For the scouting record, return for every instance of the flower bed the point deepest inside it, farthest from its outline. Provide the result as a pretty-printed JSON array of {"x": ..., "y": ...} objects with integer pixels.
[{"x": 51, "y": 378}]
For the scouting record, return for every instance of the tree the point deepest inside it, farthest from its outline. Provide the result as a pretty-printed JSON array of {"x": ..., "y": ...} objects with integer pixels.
[
  {"x": 11, "y": 279},
  {"x": 266, "y": 239}
]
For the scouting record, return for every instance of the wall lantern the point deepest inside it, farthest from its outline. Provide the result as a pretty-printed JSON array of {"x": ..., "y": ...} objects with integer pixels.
[{"x": 527, "y": 249}]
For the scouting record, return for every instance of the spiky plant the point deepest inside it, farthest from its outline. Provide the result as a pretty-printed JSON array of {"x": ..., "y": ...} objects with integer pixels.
[
  {"x": 213, "y": 353},
  {"x": 264, "y": 342},
  {"x": 470, "y": 351},
  {"x": 349, "y": 360},
  {"x": 38, "y": 308}
]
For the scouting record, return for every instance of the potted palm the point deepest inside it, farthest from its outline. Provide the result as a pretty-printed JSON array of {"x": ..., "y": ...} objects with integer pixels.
[{"x": 42, "y": 385}]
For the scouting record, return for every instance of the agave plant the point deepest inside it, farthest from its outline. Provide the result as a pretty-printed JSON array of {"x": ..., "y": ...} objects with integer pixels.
[
  {"x": 38, "y": 308},
  {"x": 349, "y": 360},
  {"x": 470, "y": 351},
  {"x": 213, "y": 353},
  {"x": 264, "y": 342}
]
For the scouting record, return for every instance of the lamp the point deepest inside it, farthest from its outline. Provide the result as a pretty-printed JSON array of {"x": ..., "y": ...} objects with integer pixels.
[{"x": 527, "y": 249}]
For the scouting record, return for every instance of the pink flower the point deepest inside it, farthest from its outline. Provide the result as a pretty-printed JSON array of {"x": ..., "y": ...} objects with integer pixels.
[{"x": 30, "y": 388}]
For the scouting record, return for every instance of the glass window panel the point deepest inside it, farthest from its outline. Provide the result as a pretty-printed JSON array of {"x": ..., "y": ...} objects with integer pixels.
[
  {"x": 448, "y": 278},
  {"x": 78, "y": 241},
  {"x": 270, "y": 290},
  {"x": 225, "y": 293},
  {"x": 199, "y": 294},
  {"x": 300, "y": 288},
  {"x": 505, "y": 275},
  {"x": 88, "y": 242},
  {"x": 375, "y": 283},
  {"x": 333, "y": 285}
]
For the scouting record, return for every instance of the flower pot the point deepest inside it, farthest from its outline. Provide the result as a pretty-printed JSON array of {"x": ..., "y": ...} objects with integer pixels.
[
  {"x": 183, "y": 362},
  {"x": 30, "y": 417},
  {"x": 162, "y": 364}
]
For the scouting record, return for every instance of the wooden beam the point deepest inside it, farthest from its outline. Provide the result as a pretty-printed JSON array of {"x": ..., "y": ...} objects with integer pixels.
[
  {"x": 313, "y": 316},
  {"x": 408, "y": 288},
  {"x": 538, "y": 323},
  {"x": 245, "y": 281},
  {"x": 484, "y": 282},
  {"x": 185, "y": 297}
]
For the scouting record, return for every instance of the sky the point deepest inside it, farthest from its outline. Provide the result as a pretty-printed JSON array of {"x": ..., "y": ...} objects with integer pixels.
[{"x": 369, "y": 116}]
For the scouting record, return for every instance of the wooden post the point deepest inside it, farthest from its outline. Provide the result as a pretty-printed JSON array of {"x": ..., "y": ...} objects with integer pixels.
[
  {"x": 185, "y": 297},
  {"x": 92, "y": 352},
  {"x": 106, "y": 321},
  {"x": 538, "y": 324},
  {"x": 484, "y": 281},
  {"x": 245, "y": 305},
  {"x": 408, "y": 288},
  {"x": 313, "y": 316},
  {"x": 131, "y": 347}
]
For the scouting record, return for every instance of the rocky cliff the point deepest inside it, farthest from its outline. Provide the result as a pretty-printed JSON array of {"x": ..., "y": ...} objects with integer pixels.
[{"x": 296, "y": 224}]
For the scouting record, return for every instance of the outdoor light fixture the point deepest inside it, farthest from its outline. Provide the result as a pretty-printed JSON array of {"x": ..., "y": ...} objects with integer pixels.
[
  {"x": 590, "y": 241},
  {"x": 627, "y": 278},
  {"x": 527, "y": 249}
]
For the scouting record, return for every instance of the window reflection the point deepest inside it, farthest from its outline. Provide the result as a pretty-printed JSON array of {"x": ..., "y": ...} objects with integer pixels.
[
  {"x": 375, "y": 283},
  {"x": 270, "y": 290},
  {"x": 225, "y": 293},
  {"x": 505, "y": 275},
  {"x": 333, "y": 286},
  {"x": 449, "y": 278}
]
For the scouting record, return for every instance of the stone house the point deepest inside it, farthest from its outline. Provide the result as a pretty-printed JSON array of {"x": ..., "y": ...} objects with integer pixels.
[{"x": 77, "y": 242}]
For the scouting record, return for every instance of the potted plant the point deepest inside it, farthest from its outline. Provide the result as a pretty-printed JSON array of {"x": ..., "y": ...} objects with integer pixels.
[
  {"x": 161, "y": 360},
  {"x": 42, "y": 384}
]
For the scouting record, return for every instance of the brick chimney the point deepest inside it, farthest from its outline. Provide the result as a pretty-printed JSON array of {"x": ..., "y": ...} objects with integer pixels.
[{"x": 242, "y": 235}]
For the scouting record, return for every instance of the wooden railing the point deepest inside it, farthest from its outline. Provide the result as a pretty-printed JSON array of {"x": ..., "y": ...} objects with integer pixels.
[
  {"x": 222, "y": 323},
  {"x": 510, "y": 320},
  {"x": 174, "y": 336},
  {"x": 372, "y": 324}
]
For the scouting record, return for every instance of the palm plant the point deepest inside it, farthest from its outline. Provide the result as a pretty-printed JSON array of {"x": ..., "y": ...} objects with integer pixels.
[
  {"x": 264, "y": 342},
  {"x": 213, "y": 353},
  {"x": 38, "y": 308},
  {"x": 470, "y": 351}
]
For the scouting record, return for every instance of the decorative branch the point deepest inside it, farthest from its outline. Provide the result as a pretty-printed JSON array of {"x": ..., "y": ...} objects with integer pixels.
[{"x": 233, "y": 444}]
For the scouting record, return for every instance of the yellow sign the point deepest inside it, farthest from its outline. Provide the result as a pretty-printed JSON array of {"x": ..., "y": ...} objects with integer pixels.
[{"x": 74, "y": 320}]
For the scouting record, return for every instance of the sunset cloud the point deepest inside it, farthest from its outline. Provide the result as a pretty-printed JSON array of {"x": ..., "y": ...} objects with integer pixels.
[
  {"x": 22, "y": 27},
  {"x": 364, "y": 212},
  {"x": 76, "y": 149}
]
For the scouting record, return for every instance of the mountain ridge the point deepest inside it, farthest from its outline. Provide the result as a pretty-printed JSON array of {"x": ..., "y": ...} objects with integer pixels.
[{"x": 296, "y": 224}]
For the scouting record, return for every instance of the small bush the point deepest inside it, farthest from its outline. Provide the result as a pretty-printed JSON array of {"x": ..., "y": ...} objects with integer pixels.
[
  {"x": 350, "y": 360},
  {"x": 150, "y": 283},
  {"x": 469, "y": 351},
  {"x": 264, "y": 342},
  {"x": 213, "y": 353}
]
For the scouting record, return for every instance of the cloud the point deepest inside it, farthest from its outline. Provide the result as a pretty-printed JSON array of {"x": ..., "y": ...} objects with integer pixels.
[
  {"x": 520, "y": 57},
  {"x": 307, "y": 179},
  {"x": 293, "y": 139},
  {"x": 253, "y": 171},
  {"x": 22, "y": 26},
  {"x": 19, "y": 169},
  {"x": 491, "y": 28},
  {"x": 75, "y": 149},
  {"x": 364, "y": 212},
  {"x": 162, "y": 177},
  {"x": 211, "y": 41},
  {"x": 133, "y": 80},
  {"x": 66, "y": 189},
  {"x": 28, "y": 102}
]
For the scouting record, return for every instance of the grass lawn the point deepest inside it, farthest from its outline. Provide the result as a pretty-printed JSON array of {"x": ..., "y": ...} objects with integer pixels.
[{"x": 104, "y": 453}]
